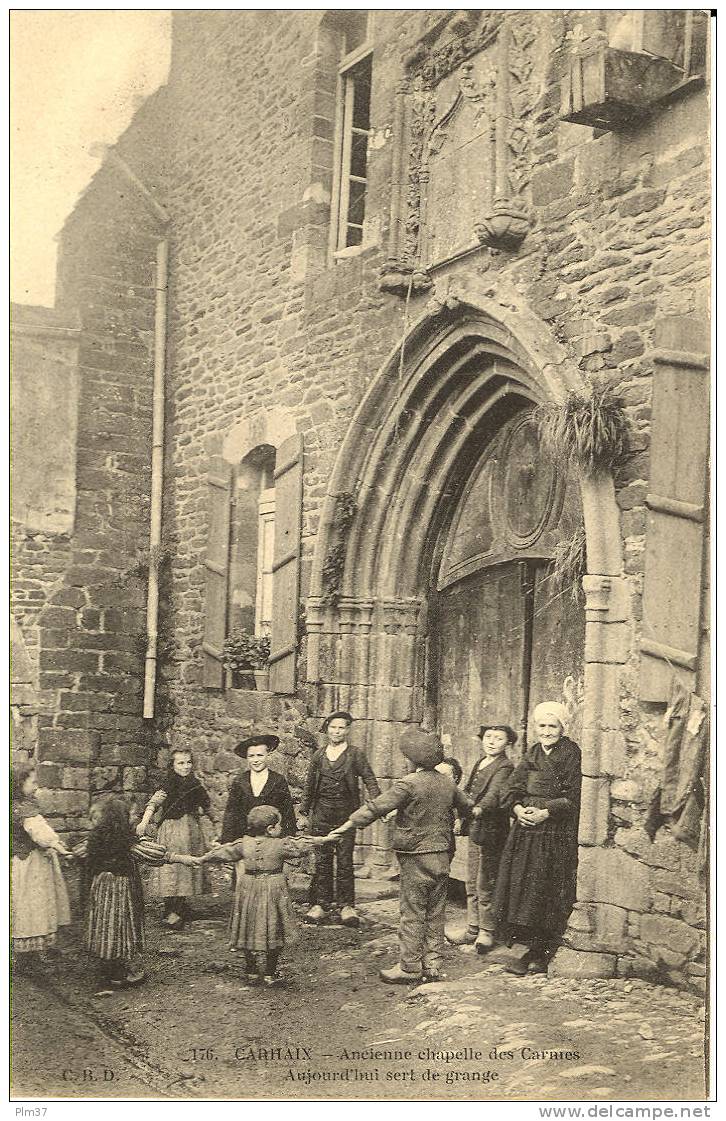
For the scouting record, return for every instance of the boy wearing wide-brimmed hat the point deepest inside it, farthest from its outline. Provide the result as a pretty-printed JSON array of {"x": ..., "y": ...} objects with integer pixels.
[
  {"x": 487, "y": 834},
  {"x": 332, "y": 793},
  {"x": 423, "y": 800},
  {"x": 257, "y": 786}
]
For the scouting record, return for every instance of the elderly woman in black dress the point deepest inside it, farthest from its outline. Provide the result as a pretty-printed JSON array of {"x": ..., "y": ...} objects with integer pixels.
[{"x": 537, "y": 881}]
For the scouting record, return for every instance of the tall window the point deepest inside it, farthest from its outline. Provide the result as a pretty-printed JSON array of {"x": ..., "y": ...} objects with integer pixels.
[
  {"x": 265, "y": 557},
  {"x": 350, "y": 182},
  {"x": 253, "y": 543},
  {"x": 354, "y": 152}
]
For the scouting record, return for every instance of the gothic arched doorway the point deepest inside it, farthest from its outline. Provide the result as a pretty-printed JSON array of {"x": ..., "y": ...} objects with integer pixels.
[{"x": 412, "y": 455}]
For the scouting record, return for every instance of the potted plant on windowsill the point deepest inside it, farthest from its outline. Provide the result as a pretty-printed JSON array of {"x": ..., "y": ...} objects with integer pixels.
[{"x": 245, "y": 653}]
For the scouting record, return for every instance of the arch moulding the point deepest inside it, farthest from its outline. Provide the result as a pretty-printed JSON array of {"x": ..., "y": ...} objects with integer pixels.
[{"x": 472, "y": 355}]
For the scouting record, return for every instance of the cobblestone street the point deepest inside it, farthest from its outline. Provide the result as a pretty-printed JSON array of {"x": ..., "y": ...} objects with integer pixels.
[{"x": 197, "y": 1030}]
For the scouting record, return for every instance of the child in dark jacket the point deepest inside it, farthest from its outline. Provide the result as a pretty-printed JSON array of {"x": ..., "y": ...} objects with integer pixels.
[
  {"x": 424, "y": 800},
  {"x": 486, "y": 786}
]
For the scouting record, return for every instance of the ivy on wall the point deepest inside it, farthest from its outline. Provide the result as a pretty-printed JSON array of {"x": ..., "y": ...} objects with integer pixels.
[{"x": 334, "y": 563}]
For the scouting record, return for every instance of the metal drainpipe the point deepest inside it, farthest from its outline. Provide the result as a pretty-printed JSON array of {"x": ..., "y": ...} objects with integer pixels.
[{"x": 157, "y": 475}]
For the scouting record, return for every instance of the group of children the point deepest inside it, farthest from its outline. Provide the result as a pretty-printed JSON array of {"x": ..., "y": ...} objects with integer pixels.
[{"x": 428, "y": 805}]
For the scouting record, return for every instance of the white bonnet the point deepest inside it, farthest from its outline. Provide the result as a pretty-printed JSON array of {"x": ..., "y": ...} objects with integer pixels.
[{"x": 552, "y": 710}]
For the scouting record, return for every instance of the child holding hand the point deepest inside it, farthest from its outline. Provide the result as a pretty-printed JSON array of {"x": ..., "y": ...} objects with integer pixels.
[
  {"x": 423, "y": 801},
  {"x": 262, "y": 920},
  {"x": 115, "y": 918},
  {"x": 180, "y": 801},
  {"x": 38, "y": 897}
]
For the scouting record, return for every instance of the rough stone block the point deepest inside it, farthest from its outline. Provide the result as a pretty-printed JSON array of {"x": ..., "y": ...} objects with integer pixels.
[
  {"x": 577, "y": 963},
  {"x": 674, "y": 884},
  {"x": 594, "y": 811},
  {"x": 104, "y": 778},
  {"x": 552, "y": 182},
  {"x": 643, "y": 967},
  {"x": 613, "y": 876},
  {"x": 693, "y": 913},
  {"x": 663, "y": 931},
  {"x": 625, "y": 790},
  {"x": 50, "y": 775},
  {"x": 62, "y": 801},
  {"x": 67, "y": 661},
  {"x": 67, "y": 746},
  {"x": 610, "y": 926},
  {"x": 128, "y": 755},
  {"x": 134, "y": 778},
  {"x": 634, "y": 840},
  {"x": 74, "y": 778},
  {"x": 665, "y": 852}
]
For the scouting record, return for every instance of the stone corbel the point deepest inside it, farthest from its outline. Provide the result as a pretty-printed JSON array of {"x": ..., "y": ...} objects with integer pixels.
[{"x": 401, "y": 278}]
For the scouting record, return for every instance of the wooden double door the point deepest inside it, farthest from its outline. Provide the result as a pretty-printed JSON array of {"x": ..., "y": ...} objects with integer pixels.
[{"x": 504, "y": 636}]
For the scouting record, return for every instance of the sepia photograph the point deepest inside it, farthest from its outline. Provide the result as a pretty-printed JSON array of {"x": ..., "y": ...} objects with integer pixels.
[{"x": 360, "y": 557}]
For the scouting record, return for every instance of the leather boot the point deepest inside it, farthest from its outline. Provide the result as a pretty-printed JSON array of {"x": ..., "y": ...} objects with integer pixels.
[
  {"x": 462, "y": 937},
  {"x": 398, "y": 976}
]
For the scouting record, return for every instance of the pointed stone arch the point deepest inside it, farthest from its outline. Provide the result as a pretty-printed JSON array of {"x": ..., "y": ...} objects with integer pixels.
[{"x": 470, "y": 361}]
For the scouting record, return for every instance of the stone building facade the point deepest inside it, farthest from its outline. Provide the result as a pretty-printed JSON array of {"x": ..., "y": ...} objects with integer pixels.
[{"x": 390, "y": 238}]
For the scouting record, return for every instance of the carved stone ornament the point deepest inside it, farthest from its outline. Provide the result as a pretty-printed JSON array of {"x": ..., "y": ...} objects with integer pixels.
[{"x": 466, "y": 116}]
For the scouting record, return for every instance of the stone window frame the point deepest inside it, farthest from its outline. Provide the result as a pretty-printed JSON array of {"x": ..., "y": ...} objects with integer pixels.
[{"x": 277, "y": 430}]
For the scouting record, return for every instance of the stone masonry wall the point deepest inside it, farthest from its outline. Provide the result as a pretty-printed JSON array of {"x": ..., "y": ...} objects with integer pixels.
[
  {"x": 92, "y": 627},
  {"x": 260, "y": 319}
]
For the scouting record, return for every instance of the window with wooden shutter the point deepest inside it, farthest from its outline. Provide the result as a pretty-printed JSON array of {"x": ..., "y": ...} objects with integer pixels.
[
  {"x": 676, "y": 501},
  {"x": 286, "y": 565},
  {"x": 219, "y": 488}
]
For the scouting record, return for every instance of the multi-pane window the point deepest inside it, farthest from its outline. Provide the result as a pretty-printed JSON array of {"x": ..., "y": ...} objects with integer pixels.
[
  {"x": 265, "y": 557},
  {"x": 355, "y": 128},
  {"x": 253, "y": 543}
]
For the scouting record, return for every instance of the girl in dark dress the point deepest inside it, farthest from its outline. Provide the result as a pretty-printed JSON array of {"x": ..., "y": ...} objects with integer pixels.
[
  {"x": 537, "y": 881},
  {"x": 114, "y": 933}
]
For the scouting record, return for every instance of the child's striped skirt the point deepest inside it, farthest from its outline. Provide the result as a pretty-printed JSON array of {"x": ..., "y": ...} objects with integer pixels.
[{"x": 115, "y": 923}]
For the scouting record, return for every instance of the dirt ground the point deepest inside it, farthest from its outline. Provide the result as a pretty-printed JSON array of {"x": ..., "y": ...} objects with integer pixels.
[{"x": 197, "y": 1030}]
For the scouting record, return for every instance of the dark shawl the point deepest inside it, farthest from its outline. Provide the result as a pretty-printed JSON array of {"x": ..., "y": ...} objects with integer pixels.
[
  {"x": 109, "y": 850},
  {"x": 184, "y": 795},
  {"x": 22, "y": 843}
]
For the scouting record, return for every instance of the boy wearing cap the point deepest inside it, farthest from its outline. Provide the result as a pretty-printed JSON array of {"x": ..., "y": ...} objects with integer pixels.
[
  {"x": 423, "y": 800},
  {"x": 257, "y": 786},
  {"x": 487, "y": 834},
  {"x": 332, "y": 794}
]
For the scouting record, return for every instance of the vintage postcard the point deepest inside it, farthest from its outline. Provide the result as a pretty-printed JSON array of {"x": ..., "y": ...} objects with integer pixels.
[{"x": 360, "y": 556}]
